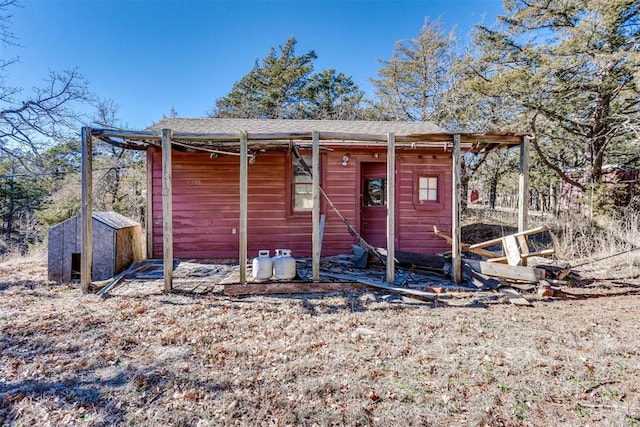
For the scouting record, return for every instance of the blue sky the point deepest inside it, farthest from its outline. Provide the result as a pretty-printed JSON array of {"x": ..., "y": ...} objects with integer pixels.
[{"x": 151, "y": 55}]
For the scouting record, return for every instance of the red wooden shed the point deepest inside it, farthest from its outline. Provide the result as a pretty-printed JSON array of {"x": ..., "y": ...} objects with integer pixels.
[{"x": 226, "y": 188}]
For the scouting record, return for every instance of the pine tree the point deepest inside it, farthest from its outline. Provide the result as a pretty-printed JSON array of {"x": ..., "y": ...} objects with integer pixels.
[
  {"x": 413, "y": 84},
  {"x": 273, "y": 89},
  {"x": 570, "y": 69},
  {"x": 331, "y": 95}
]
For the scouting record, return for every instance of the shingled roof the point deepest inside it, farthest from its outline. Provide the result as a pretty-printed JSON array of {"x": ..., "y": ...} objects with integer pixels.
[{"x": 271, "y": 126}]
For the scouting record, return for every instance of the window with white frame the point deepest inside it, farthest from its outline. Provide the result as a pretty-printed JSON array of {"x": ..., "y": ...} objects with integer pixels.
[
  {"x": 427, "y": 189},
  {"x": 302, "y": 185}
]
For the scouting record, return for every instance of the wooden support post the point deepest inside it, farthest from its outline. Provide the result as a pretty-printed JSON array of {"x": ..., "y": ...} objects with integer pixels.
[
  {"x": 244, "y": 160},
  {"x": 86, "y": 253},
  {"x": 315, "y": 167},
  {"x": 456, "y": 247},
  {"x": 523, "y": 185},
  {"x": 167, "y": 211},
  {"x": 391, "y": 205},
  {"x": 148, "y": 215}
]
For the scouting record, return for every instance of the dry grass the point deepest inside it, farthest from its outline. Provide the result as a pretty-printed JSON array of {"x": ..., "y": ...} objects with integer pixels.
[
  {"x": 605, "y": 247},
  {"x": 345, "y": 359},
  {"x": 608, "y": 247}
]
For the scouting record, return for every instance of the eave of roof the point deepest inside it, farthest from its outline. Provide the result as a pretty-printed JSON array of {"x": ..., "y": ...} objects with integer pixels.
[
  {"x": 114, "y": 220},
  {"x": 203, "y": 133}
]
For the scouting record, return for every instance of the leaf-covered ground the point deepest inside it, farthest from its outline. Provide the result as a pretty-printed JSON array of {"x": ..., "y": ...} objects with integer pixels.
[{"x": 345, "y": 359}]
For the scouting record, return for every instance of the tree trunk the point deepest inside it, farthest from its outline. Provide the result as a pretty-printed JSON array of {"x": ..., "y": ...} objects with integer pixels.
[
  {"x": 598, "y": 136},
  {"x": 10, "y": 210},
  {"x": 493, "y": 190},
  {"x": 464, "y": 179}
]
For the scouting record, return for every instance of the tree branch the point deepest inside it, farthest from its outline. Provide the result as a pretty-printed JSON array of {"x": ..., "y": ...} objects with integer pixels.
[{"x": 545, "y": 159}]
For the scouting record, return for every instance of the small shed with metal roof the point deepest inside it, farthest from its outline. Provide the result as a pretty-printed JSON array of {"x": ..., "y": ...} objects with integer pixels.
[{"x": 116, "y": 244}]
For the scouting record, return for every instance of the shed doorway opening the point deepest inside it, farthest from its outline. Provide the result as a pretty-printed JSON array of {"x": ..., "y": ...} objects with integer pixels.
[{"x": 75, "y": 265}]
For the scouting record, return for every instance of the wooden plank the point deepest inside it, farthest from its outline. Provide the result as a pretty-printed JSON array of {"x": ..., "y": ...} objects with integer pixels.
[
  {"x": 510, "y": 272},
  {"x": 148, "y": 215},
  {"x": 523, "y": 185},
  {"x": 167, "y": 211},
  {"x": 544, "y": 252},
  {"x": 514, "y": 296},
  {"x": 511, "y": 250},
  {"x": 523, "y": 243},
  {"x": 556, "y": 282},
  {"x": 290, "y": 288},
  {"x": 391, "y": 206},
  {"x": 498, "y": 240},
  {"x": 242, "y": 256},
  {"x": 524, "y": 286},
  {"x": 502, "y": 259},
  {"x": 464, "y": 247},
  {"x": 118, "y": 279},
  {"x": 483, "y": 252},
  {"x": 315, "y": 214},
  {"x": 456, "y": 252},
  {"x": 86, "y": 252},
  {"x": 411, "y": 293}
]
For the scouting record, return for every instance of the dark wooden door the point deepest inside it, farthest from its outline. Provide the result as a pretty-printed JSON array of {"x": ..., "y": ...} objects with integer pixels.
[{"x": 373, "y": 203}]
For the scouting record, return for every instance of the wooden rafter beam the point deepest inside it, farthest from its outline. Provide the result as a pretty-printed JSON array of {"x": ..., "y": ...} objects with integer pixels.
[{"x": 504, "y": 138}]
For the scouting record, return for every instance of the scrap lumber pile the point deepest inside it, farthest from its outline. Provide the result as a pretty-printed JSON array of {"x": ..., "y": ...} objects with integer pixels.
[
  {"x": 507, "y": 271},
  {"x": 515, "y": 247}
]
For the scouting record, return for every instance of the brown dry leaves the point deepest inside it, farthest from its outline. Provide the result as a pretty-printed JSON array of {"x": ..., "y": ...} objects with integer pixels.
[{"x": 352, "y": 359}]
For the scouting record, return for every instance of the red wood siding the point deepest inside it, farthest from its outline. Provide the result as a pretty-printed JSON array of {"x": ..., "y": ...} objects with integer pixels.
[
  {"x": 340, "y": 184},
  {"x": 206, "y": 204},
  {"x": 414, "y": 226}
]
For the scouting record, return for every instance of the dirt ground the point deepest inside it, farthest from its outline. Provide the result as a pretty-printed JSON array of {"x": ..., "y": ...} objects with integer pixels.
[{"x": 347, "y": 358}]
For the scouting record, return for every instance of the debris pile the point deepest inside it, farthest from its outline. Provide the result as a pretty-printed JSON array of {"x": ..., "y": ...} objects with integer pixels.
[
  {"x": 500, "y": 269},
  {"x": 508, "y": 271}
]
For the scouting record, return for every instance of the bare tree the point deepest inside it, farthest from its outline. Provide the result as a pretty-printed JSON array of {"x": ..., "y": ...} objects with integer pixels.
[
  {"x": 6, "y": 35},
  {"x": 47, "y": 113},
  {"x": 27, "y": 120},
  {"x": 120, "y": 172}
]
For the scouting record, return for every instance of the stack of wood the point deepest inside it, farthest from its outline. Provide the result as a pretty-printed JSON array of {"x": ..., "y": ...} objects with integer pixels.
[{"x": 507, "y": 272}]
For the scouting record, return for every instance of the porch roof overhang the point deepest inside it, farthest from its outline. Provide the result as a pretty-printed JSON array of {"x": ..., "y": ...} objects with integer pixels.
[{"x": 224, "y": 134}]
